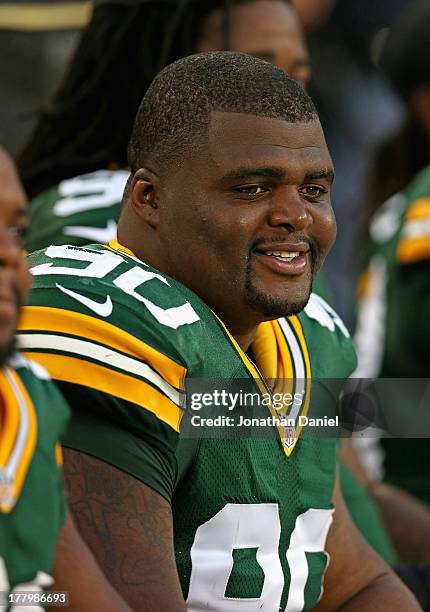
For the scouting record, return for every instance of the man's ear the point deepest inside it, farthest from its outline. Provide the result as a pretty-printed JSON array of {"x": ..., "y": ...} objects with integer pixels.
[{"x": 144, "y": 192}]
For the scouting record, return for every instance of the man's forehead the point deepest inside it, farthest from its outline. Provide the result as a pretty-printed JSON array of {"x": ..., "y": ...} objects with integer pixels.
[{"x": 234, "y": 135}]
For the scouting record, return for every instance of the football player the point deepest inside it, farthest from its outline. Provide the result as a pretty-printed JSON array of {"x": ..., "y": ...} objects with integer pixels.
[
  {"x": 392, "y": 332},
  {"x": 75, "y": 163},
  {"x": 225, "y": 222},
  {"x": 38, "y": 542}
]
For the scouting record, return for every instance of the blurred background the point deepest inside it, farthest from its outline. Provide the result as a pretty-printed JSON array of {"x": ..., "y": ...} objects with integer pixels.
[{"x": 358, "y": 108}]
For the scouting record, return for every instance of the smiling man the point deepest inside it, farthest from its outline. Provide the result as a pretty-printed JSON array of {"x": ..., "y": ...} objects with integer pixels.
[{"x": 225, "y": 221}]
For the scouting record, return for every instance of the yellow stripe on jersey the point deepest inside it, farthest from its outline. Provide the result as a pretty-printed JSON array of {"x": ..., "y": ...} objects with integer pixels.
[
  {"x": 10, "y": 422},
  {"x": 88, "y": 374},
  {"x": 420, "y": 209},
  {"x": 21, "y": 449},
  {"x": 116, "y": 246},
  {"x": 411, "y": 250},
  {"x": 295, "y": 322},
  {"x": 42, "y": 318},
  {"x": 414, "y": 242},
  {"x": 59, "y": 455}
]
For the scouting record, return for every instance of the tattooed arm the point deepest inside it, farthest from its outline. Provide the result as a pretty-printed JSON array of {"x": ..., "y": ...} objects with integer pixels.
[
  {"x": 76, "y": 571},
  {"x": 129, "y": 528}
]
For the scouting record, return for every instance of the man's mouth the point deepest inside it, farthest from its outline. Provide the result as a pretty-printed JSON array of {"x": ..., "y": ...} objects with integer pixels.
[
  {"x": 283, "y": 255},
  {"x": 290, "y": 261}
]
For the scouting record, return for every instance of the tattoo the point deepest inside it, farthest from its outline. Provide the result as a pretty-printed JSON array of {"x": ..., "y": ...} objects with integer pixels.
[{"x": 126, "y": 524}]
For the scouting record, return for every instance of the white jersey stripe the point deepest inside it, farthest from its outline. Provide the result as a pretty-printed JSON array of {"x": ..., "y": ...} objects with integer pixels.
[
  {"x": 105, "y": 355},
  {"x": 299, "y": 365}
]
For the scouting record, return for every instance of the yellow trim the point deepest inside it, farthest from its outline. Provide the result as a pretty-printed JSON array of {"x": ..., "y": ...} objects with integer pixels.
[
  {"x": 31, "y": 438},
  {"x": 114, "y": 244},
  {"x": 363, "y": 284},
  {"x": 283, "y": 358},
  {"x": 420, "y": 209},
  {"x": 10, "y": 422},
  {"x": 59, "y": 455},
  {"x": 413, "y": 249},
  {"x": 79, "y": 372},
  {"x": 30, "y": 443},
  {"x": 39, "y": 17},
  {"x": 295, "y": 322},
  {"x": 62, "y": 321}
]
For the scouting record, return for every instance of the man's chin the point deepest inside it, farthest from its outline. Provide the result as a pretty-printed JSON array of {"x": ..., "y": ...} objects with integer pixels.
[{"x": 272, "y": 307}]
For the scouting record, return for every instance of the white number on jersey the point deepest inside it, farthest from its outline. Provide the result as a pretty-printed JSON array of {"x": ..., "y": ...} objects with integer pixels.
[
  {"x": 100, "y": 265},
  {"x": 240, "y": 526}
]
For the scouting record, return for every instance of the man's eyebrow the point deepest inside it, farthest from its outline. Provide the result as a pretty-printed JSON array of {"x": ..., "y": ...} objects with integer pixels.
[
  {"x": 315, "y": 175},
  {"x": 246, "y": 172}
]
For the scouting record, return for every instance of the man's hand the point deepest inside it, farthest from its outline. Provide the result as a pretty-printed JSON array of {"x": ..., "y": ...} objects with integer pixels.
[
  {"x": 357, "y": 579},
  {"x": 129, "y": 529}
]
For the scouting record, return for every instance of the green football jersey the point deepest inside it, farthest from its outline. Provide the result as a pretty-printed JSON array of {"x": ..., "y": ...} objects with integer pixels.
[
  {"x": 78, "y": 211},
  {"x": 251, "y": 513},
  {"x": 393, "y": 334},
  {"x": 32, "y": 500}
]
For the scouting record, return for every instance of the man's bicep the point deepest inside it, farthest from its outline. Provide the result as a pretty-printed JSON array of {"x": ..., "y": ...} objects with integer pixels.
[{"x": 129, "y": 528}]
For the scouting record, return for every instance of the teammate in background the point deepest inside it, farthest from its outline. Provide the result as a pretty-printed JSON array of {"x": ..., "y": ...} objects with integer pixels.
[
  {"x": 76, "y": 161},
  {"x": 38, "y": 542},
  {"x": 225, "y": 222},
  {"x": 392, "y": 332}
]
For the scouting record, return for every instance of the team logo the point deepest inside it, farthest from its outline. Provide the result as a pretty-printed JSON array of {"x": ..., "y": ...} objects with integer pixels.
[{"x": 290, "y": 437}]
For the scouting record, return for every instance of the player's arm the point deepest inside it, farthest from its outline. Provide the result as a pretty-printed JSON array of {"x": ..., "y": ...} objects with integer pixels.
[
  {"x": 357, "y": 578},
  {"x": 406, "y": 519},
  {"x": 76, "y": 572},
  {"x": 129, "y": 529}
]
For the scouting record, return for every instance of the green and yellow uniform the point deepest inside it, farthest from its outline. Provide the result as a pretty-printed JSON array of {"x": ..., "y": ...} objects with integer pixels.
[
  {"x": 78, "y": 211},
  {"x": 32, "y": 501},
  {"x": 393, "y": 334},
  {"x": 251, "y": 514}
]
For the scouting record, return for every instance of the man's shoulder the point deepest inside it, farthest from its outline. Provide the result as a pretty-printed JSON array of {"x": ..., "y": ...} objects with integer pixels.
[
  {"x": 39, "y": 415},
  {"x": 330, "y": 347},
  {"x": 79, "y": 291},
  {"x": 414, "y": 238}
]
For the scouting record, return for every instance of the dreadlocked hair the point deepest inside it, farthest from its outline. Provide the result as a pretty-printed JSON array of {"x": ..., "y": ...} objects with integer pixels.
[{"x": 88, "y": 124}]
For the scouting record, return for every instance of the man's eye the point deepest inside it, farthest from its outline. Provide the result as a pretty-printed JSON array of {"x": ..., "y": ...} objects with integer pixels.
[
  {"x": 313, "y": 191},
  {"x": 18, "y": 233},
  {"x": 253, "y": 190}
]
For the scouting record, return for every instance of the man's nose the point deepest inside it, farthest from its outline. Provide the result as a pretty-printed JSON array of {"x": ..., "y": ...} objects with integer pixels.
[{"x": 290, "y": 210}]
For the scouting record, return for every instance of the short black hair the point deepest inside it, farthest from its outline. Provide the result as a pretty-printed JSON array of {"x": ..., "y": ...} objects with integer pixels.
[
  {"x": 177, "y": 106},
  {"x": 405, "y": 57}
]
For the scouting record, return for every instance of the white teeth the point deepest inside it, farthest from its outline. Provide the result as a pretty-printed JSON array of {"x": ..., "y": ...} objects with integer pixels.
[{"x": 284, "y": 255}]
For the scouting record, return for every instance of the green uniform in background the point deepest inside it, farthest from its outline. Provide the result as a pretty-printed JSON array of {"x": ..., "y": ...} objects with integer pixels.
[
  {"x": 77, "y": 211},
  {"x": 32, "y": 500},
  {"x": 393, "y": 331},
  {"x": 251, "y": 514}
]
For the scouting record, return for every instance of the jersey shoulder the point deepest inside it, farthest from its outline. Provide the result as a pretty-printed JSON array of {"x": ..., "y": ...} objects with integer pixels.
[
  {"x": 78, "y": 211},
  {"x": 113, "y": 291},
  {"x": 414, "y": 239},
  {"x": 331, "y": 350},
  {"x": 36, "y": 418}
]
